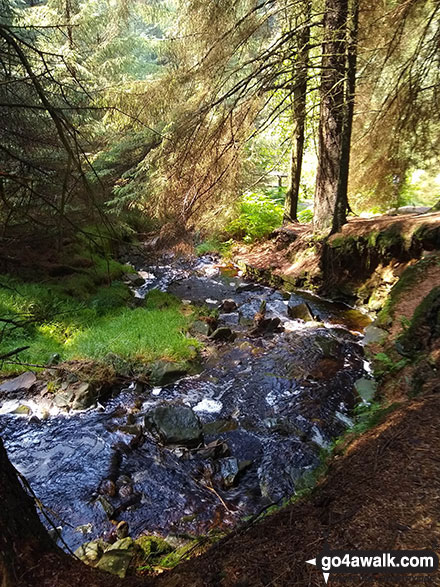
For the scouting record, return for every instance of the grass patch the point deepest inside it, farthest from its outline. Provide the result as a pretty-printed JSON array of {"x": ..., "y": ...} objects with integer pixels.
[{"x": 44, "y": 318}]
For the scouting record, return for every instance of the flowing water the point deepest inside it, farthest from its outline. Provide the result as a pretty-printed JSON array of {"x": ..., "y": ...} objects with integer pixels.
[{"x": 268, "y": 402}]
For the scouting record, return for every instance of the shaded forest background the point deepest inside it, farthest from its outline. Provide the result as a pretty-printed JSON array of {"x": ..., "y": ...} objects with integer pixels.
[{"x": 129, "y": 116}]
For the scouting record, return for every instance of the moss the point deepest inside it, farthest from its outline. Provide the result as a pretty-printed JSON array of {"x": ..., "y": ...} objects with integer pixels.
[
  {"x": 424, "y": 326},
  {"x": 153, "y": 547},
  {"x": 409, "y": 278},
  {"x": 172, "y": 559}
]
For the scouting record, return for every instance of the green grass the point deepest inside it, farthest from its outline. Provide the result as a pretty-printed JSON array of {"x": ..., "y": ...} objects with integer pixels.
[{"x": 46, "y": 319}]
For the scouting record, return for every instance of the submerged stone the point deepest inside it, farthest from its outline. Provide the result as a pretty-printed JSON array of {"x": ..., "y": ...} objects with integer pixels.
[{"x": 229, "y": 470}]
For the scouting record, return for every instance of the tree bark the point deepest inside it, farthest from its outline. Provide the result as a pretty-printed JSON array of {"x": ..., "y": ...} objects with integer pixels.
[
  {"x": 299, "y": 116},
  {"x": 22, "y": 536},
  {"x": 331, "y": 113},
  {"x": 28, "y": 555},
  {"x": 342, "y": 206}
]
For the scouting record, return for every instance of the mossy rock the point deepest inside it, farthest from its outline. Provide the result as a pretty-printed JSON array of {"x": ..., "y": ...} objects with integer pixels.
[
  {"x": 153, "y": 547},
  {"x": 116, "y": 559}
]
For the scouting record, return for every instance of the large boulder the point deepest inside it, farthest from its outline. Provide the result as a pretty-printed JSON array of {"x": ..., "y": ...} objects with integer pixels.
[{"x": 175, "y": 424}]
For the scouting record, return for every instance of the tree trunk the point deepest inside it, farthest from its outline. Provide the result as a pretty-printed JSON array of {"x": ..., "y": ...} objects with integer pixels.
[
  {"x": 28, "y": 556},
  {"x": 22, "y": 536},
  {"x": 331, "y": 113},
  {"x": 342, "y": 206},
  {"x": 299, "y": 116}
]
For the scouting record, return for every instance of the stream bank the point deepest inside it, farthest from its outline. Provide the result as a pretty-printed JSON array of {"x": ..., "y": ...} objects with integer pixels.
[{"x": 196, "y": 456}]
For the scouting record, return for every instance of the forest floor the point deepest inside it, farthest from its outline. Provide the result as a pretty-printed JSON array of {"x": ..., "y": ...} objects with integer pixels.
[{"x": 291, "y": 252}]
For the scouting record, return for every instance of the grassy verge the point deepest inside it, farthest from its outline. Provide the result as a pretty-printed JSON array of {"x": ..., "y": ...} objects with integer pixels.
[{"x": 74, "y": 318}]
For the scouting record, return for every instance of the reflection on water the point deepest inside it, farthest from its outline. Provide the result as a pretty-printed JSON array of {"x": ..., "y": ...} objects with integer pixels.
[{"x": 268, "y": 404}]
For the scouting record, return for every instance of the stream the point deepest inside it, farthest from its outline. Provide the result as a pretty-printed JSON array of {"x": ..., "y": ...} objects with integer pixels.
[{"x": 266, "y": 404}]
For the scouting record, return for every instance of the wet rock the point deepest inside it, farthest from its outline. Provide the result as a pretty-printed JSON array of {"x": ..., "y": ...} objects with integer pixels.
[
  {"x": 176, "y": 424},
  {"x": 248, "y": 311},
  {"x": 85, "y": 395},
  {"x": 164, "y": 372},
  {"x": 23, "y": 381},
  {"x": 201, "y": 327},
  {"x": 231, "y": 319},
  {"x": 133, "y": 279},
  {"x": 366, "y": 388},
  {"x": 228, "y": 306},
  {"x": 116, "y": 559},
  {"x": 108, "y": 487},
  {"x": 266, "y": 326},
  {"x": 63, "y": 400},
  {"x": 277, "y": 308},
  {"x": 300, "y": 312},
  {"x": 122, "y": 530},
  {"x": 214, "y": 450},
  {"x": 328, "y": 346},
  {"x": 219, "y": 426},
  {"x": 76, "y": 396},
  {"x": 229, "y": 470},
  {"x": 106, "y": 506},
  {"x": 224, "y": 333},
  {"x": 373, "y": 334},
  {"x": 248, "y": 287},
  {"x": 126, "y": 490}
]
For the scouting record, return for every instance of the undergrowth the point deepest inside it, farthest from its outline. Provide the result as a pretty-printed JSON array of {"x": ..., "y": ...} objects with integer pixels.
[{"x": 258, "y": 215}]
